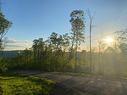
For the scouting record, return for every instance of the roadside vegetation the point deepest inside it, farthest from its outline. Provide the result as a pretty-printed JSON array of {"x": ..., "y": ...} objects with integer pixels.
[{"x": 24, "y": 85}]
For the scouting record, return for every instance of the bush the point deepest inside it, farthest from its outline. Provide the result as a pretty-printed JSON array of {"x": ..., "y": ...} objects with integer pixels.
[{"x": 3, "y": 65}]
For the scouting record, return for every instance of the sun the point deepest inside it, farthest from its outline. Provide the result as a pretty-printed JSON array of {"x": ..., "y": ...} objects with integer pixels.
[{"x": 109, "y": 40}]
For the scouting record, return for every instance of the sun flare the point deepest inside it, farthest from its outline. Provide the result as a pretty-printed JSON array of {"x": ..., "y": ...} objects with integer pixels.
[{"x": 108, "y": 40}]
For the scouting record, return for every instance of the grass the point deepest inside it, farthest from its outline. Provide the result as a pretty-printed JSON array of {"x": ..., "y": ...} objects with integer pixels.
[{"x": 24, "y": 85}]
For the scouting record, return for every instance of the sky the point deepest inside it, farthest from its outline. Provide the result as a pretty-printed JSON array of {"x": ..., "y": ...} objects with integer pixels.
[{"x": 34, "y": 19}]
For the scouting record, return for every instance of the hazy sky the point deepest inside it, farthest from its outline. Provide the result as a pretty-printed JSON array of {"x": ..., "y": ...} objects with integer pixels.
[{"x": 39, "y": 18}]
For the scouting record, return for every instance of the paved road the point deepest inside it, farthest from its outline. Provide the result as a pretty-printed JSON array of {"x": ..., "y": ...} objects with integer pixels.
[{"x": 69, "y": 84}]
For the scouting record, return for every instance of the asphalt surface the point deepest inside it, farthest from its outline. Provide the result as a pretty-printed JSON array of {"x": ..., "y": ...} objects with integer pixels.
[{"x": 71, "y": 84}]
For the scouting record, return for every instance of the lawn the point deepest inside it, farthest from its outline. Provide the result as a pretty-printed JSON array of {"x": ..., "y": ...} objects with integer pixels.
[{"x": 24, "y": 85}]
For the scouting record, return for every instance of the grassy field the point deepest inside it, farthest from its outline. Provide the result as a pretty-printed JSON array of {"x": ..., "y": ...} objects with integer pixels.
[{"x": 24, "y": 85}]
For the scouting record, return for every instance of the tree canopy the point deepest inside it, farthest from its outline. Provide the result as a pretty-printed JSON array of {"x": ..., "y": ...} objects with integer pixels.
[{"x": 4, "y": 26}]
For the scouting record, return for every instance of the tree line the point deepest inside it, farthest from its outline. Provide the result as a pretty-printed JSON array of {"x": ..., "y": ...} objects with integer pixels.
[
  {"x": 54, "y": 53},
  {"x": 61, "y": 53}
]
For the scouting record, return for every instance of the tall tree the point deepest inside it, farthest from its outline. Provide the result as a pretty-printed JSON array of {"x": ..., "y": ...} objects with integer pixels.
[
  {"x": 77, "y": 22},
  {"x": 35, "y": 50},
  {"x": 56, "y": 41},
  {"x": 66, "y": 41},
  {"x": 121, "y": 37},
  {"x": 4, "y": 26},
  {"x": 38, "y": 49},
  {"x": 101, "y": 47},
  {"x": 90, "y": 30}
]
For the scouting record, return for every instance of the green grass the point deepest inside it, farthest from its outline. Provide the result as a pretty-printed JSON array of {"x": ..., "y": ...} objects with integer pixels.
[{"x": 22, "y": 85}]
